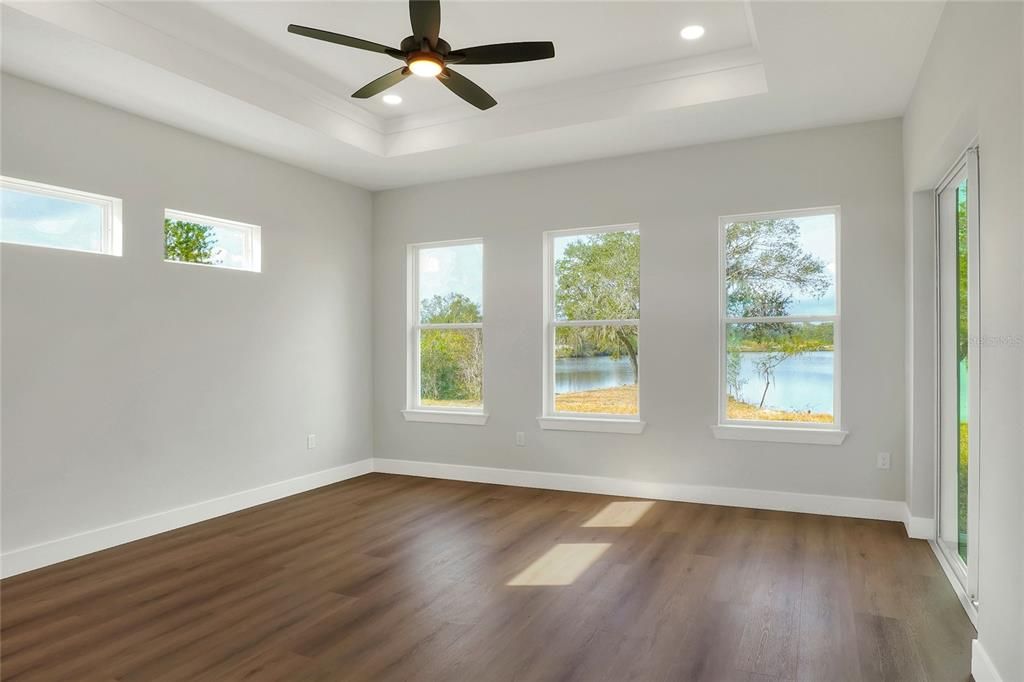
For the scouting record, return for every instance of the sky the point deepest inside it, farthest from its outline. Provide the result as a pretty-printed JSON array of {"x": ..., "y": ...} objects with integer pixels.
[
  {"x": 562, "y": 242},
  {"x": 228, "y": 247},
  {"x": 448, "y": 269},
  {"x": 47, "y": 221},
  {"x": 818, "y": 238}
]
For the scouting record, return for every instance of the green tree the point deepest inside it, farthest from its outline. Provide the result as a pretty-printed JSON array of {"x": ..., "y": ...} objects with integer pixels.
[
  {"x": 451, "y": 360},
  {"x": 962, "y": 344},
  {"x": 188, "y": 242},
  {"x": 449, "y": 309},
  {"x": 764, "y": 259},
  {"x": 963, "y": 331},
  {"x": 598, "y": 278},
  {"x": 765, "y": 265},
  {"x": 734, "y": 380}
]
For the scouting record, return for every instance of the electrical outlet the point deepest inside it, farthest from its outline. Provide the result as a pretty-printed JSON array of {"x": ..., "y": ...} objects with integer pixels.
[
  {"x": 883, "y": 460},
  {"x": 311, "y": 441},
  {"x": 520, "y": 439}
]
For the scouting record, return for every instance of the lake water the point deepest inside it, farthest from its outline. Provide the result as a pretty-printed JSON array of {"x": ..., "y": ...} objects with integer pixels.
[
  {"x": 803, "y": 382},
  {"x": 586, "y": 374}
]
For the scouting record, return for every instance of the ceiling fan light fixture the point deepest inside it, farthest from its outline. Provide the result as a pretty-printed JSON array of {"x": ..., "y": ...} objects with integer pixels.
[
  {"x": 692, "y": 32},
  {"x": 427, "y": 55},
  {"x": 425, "y": 64}
]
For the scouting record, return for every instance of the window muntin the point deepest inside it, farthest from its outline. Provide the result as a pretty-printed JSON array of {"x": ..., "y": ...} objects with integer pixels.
[
  {"x": 592, "y": 322},
  {"x": 202, "y": 240},
  {"x": 780, "y": 319},
  {"x": 35, "y": 214},
  {"x": 446, "y": 326}
]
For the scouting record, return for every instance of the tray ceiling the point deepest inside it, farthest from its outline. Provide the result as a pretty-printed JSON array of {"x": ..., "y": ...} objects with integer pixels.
[{"x": 622, "y": 79}]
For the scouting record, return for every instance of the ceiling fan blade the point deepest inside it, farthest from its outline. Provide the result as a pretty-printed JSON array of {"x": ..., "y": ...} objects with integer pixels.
[
  {"x": 426, "y": 19},
  {"x": 502, "y": 53},
  {"x": 381, "y": 84},
  {"x": 347, "y": 41},
  {"x": 466, "y": 89}
]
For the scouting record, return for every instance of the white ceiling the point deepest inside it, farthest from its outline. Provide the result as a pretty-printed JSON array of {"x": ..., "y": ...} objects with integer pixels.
[
  {"x": 579, "y": 30},
  {"x": 622, "y": 80}
]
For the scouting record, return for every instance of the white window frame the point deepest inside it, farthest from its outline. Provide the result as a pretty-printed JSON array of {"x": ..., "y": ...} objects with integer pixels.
[
  {"x": 111, "y": 234},
  {"x": 552, "y": 419},
  {"x": 965, "y": 573},
  {"x": 414, "y": 411},
  {"x": 765, "y": 430},
  {"x": 252, "y": 247}
]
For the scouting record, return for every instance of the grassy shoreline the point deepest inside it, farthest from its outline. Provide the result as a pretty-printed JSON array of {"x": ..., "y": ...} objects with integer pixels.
[
  {"x": 430, "y": 402},
  {"x": 614, "y": 400},
  {"x": 740, "y": 410},
  {"x": 623, "y": 400}
]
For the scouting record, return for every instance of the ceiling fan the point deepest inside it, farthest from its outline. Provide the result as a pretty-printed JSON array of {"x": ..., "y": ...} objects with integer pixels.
[{"x": 426, "y": 54}]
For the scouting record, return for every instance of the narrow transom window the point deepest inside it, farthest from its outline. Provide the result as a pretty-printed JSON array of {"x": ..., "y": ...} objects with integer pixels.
[
  {"x": 446, "y": 315},
  {"x": 202, "y": 240},
  {"x": 35, "y": 214},
  {"x": 592, "y": 321},
  {"x": 780, "y": 319}
]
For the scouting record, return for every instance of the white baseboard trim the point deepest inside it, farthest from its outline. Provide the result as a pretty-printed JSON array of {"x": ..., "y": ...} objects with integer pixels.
[
  {"x": 52, "y": 552},
  {"x": 828, "y": 505},
  {"x": 982, "y": 668},
  {"x": 919, "y": 527}
]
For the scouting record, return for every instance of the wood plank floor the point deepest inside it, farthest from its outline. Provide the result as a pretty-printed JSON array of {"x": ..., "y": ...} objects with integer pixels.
[{"x": 399, "y": 578}]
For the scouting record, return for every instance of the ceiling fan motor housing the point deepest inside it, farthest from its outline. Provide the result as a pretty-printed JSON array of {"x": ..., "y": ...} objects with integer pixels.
[{"x": 413, "y": 44}]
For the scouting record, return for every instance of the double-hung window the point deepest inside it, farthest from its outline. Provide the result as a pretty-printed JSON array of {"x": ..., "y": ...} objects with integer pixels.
[
  {"x": 35, "y": 214},
  {"x": 445, "y": 333},
  {"x": 592, "y": 329},
  {"x": 779, "y": 299}
]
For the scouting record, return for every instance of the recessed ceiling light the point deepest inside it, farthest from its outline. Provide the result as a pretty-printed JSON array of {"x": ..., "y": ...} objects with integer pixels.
[
  {"x": 392, "y": 99},
  {"x": 692, "y": 32}
]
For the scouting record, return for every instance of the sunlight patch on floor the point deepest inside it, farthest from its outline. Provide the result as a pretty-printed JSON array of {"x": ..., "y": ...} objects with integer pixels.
[
  {"x": 619, "y": 514},
  {"x": 561, "y": 565}
]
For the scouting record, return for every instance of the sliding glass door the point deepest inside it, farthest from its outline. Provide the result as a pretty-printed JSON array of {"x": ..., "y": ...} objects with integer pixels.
[{"x": 958, "y": 315}]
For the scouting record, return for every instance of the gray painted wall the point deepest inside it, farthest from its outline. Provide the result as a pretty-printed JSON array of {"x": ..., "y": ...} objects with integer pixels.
[
  {"x": 677, "y": 197},
  {"x": 131, "y": 385},
  {"x": 971, "y": 87}
]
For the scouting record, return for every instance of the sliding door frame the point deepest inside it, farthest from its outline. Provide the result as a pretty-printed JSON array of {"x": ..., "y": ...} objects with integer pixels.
[{"x": 967, "y": 574}]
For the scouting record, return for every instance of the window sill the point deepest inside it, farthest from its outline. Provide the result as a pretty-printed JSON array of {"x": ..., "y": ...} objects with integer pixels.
[
  {"x": 214, "y": 266},
  {"x": 445, "y": 417},
  {"x": 779, "y": 434},
  {"x": 588, "y": 424}
]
